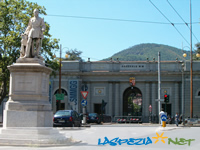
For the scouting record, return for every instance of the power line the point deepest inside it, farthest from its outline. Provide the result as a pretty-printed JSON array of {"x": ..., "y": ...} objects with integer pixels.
[
  {"x": 169, "y": 21},
  {"x": 111, "y": 19},
  {"x": 182, "y": 19}
]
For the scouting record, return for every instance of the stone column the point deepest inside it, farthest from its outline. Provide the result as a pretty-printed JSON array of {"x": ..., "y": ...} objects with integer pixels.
[
  {"x": 153, "y": 102},
  {"x": 116, "y": 100},
  {"x": 54, "y": 104},
  {"x": 146, "y": 102},
  {"x": 89, "y": 105},
  {"x": 66, "y": 97},
  {"x": 110, "y": 100},
  {"x": 66, "y": 102},
  {"x": 176, "y": 100}
]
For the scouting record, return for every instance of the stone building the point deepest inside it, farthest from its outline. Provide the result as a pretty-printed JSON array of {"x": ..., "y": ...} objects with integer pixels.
[{"x": 128, "y": 88}]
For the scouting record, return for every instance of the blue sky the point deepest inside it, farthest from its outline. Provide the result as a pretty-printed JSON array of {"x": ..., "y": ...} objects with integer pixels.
[{"x": 100, "y": 38}]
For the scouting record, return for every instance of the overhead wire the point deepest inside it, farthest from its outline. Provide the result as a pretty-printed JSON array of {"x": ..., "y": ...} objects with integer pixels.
[
  {"x": 170, "y": 22},
  {"x": 182, "y": 19},
  {"x": 111, "y": 19}
]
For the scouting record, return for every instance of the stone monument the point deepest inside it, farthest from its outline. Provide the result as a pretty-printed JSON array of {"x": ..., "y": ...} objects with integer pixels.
[
  {"x": 28, "y": 104},
  {"x": 28, "y": 116}
]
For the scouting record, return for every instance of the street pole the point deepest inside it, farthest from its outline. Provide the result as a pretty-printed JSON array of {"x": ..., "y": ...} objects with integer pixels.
[
  {"x": 84, "y": 115},
  {"x": 159, "y": 85},
  {"x": 60, "y": 76},
  {"x": 183, "y": 103},
  {"x": 191, "y": 69},
  {"x": 60, "y": 70}
]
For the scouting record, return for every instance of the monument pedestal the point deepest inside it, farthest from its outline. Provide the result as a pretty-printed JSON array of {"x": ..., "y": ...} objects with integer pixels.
[
  {"x": 28, "y": 116},
  {"x": 34, "y": 136},
  {"x": 28, "y": 104}
]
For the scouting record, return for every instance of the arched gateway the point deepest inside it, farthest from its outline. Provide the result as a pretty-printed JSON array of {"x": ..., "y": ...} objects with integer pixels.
[{"x": 132, "y": 102}]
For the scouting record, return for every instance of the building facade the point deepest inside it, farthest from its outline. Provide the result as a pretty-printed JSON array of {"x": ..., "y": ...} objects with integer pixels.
[{"x": 128, "y": 88}]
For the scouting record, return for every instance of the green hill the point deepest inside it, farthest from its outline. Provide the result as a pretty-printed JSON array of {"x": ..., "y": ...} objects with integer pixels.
[{"x": 143, "y": 51}]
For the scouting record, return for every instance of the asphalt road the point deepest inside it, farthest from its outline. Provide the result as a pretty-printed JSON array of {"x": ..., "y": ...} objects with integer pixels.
[{"x": 127, "y": 137}]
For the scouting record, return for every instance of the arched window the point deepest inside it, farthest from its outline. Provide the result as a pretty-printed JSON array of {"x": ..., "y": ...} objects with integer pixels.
[
  {"x": 199, "y": 93},
  {"x": 62, "y": 91}
]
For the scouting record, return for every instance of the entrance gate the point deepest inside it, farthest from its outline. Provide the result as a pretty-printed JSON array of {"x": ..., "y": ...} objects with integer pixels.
[{"x": 132, "y": 102}]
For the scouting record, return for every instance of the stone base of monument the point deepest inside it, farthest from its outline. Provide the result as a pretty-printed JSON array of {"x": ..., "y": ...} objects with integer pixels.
[
  {"x": 28, "y": 104},
  {"x": 34, "y": 137},
  {"x": 28, "y": 116}
]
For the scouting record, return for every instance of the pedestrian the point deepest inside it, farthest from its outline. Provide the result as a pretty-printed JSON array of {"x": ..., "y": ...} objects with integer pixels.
[
  {"x": 160, "y": 114},
  {"x": 177, "y": 119},
  {"x": 169, "y": 119}
]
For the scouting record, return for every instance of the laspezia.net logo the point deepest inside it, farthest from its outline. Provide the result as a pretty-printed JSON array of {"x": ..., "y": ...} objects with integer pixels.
[{"x": 145, "y": 141}]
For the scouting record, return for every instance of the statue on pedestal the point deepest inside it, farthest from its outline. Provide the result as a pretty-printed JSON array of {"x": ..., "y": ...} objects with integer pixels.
[{"x": 32, "y": 37}]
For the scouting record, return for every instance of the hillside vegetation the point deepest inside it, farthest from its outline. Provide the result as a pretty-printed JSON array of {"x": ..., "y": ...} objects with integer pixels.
[{"x": 143, "y": 51}]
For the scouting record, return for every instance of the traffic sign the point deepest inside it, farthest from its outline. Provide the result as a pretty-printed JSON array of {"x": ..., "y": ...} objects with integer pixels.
[
  {"x": 84, "y": 102},
  {"x": 163, "y": 117},
  {"x": 84, "y": 87},
  {"x": 60, "y": 96},
  {"x": 162, "y": 100},
  {"x": 84, "y": 94}
]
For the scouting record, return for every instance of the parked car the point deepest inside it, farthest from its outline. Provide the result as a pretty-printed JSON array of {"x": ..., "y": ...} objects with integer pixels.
[
  {"x": 66, "y": 118},
  {"x": 93, "y": 118}
]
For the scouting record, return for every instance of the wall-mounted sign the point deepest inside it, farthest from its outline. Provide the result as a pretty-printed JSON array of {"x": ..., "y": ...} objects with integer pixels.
[{"x": 132, "y": 81}]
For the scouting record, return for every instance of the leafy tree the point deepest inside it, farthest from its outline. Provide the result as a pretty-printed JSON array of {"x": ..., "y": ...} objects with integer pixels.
[
  {"x": 73, "y": 54},
  {"x": 14, "y": 18},
  {"x": 197, "y": 52}
]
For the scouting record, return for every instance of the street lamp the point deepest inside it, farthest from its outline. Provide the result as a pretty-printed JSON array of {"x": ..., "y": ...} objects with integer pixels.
[
  {"x": 185, "y": 54},
  {"x": 197, "y": 55},
  {"x": 191, "y": 80},
  {"x": 66, "y": 56},
  {"x": 60, "y": 96},
  {"x": 191, "y": 65}
]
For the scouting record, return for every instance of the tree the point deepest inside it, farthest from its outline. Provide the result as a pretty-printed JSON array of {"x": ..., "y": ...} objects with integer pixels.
[
  {"x": 197, "y": 53},
  {"x": 14, "y": 18},
  {"x": 74, "y": 55}
]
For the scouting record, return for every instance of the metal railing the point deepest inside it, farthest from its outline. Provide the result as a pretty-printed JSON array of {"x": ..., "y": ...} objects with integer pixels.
[{"x": 128, "y": 119}]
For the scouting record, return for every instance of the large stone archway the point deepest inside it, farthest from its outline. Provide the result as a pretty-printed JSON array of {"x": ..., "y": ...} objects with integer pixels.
[{"x": 132, "y": 102}]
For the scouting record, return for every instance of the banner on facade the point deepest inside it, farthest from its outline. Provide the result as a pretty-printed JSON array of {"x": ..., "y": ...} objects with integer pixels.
[{"x": 73, "y": 94}]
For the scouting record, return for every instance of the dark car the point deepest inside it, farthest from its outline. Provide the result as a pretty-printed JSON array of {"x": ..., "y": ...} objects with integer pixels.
[
  {"x": 93, "y": 118},
  {"x": 66, "y": 118}
]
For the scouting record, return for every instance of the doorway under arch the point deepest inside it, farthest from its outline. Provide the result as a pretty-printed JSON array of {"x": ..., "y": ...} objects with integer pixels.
[
  {"x": 132, "y": 102},
  {"x": 60, "y": 104}
]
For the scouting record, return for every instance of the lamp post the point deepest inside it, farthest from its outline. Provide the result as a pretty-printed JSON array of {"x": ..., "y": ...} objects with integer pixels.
[
  {"x": 191, "y": 78},
  {"x": 191, "y": 69},
  {"x": 60, "y": 96},
  {"x": 191, "y": 65},
  {"x": 60, "y": 60},
  {"x": 183, "y": 100}
]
